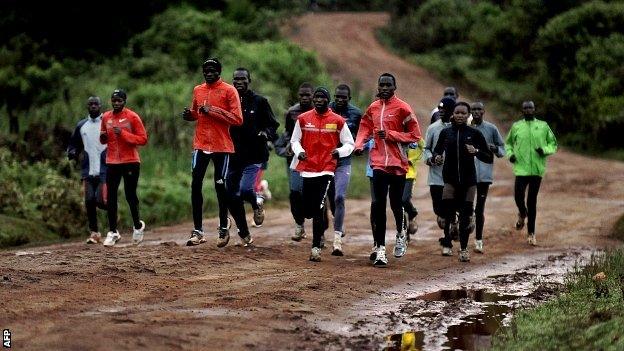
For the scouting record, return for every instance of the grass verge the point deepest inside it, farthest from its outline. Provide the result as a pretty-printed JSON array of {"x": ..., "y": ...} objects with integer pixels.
[{"x": 589, "y": 315}]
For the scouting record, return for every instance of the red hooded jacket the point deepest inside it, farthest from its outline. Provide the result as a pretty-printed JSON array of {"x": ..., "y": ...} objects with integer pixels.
[
  {"x": 122, "y": 148},
  {"x": 212, "y": 132},
  {"x": 396, "y": 117}
]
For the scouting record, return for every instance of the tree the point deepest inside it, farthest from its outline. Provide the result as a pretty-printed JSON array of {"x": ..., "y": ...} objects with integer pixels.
[{"x": 27, "y": 77}]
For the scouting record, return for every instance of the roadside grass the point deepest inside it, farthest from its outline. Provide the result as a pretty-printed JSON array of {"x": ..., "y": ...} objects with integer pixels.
[
  {"x": 589, "y": 315},
  {"x": 18, "y": 231}
]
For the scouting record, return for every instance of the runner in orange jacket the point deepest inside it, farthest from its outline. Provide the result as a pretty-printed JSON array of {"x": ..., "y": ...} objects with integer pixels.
[
  {"x": 123, "y": 131},
  {"x": 393, "y": 125},
  {"x": 215, "y": 106}
]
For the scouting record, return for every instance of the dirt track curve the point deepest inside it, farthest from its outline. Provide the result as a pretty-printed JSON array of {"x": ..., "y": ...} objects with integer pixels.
[{"x": 162, "y": 295}]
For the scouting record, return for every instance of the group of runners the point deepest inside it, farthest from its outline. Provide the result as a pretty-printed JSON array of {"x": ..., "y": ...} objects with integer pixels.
[{"x": 235, "y": 129}]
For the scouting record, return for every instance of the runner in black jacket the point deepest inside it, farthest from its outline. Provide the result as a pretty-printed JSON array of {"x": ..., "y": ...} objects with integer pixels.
[
  {"x": 460, "y": 144},
  {"x": 250, "y": 142}
]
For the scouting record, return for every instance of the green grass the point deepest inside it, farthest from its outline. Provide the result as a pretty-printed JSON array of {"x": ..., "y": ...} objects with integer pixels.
[
  {"x": 580, "y": 318},
  {"x": 18, "y": 231}
]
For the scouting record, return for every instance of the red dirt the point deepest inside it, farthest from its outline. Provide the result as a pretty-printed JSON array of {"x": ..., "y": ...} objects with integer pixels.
[{"x": 165, "y": 296}]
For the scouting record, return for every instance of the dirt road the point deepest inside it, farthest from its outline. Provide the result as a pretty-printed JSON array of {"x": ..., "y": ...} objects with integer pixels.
[{"x": 162, "y": 295}]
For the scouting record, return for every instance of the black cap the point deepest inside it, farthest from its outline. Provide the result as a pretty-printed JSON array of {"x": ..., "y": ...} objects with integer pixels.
[
  {"x": 212, "y": 62},
  {"x": 323, "y": 91},
  {"x": 119, "y": 93},
  {"x": 447, "y": 102}
]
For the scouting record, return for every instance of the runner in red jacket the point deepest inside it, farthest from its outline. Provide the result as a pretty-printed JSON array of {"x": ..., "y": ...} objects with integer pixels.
[
  {"x": 123, "y": 131},
  {"x": 315, "y": 138},
  {"x": 392, "y": 124},
  {"x": 216, "y": 106}
]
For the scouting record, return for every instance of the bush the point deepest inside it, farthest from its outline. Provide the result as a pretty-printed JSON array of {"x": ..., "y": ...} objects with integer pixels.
[{"x": 580, "y": 53}]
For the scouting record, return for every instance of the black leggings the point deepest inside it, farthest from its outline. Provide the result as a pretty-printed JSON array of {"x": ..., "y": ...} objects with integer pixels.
[
  {"x": 482, "y": 193},
  {"x": 314, "y": 193},
  {"x": 530, "y": 209},
  {"x": 235, "y": 200},
  {"x": 200, "y": 165},
  {"x": 92, "y": 189},
  {"x": 130, "y": 174},
  {"x": 436, "y": 199},
  {"x": 384, "y": 185},
  {"x": 462, "y": 198},
  {"x": 407, "y": 199}
]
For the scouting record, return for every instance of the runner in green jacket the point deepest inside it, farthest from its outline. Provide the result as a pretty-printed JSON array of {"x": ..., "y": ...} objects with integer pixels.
[{"x": 528, "y": 143}]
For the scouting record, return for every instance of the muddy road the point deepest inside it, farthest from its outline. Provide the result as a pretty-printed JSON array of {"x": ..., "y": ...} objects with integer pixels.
[{"x": 162, "y": 295}]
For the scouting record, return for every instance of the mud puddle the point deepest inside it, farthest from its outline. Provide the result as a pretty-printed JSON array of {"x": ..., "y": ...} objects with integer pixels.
[
  {"x": 457, "y": 310},
  {"x": 473, "y": 332}
]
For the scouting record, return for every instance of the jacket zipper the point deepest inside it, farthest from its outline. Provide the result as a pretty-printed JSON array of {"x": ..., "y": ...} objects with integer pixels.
[
  {"x": 458, "y": 173},
  {"x": 383, "y": 108}
]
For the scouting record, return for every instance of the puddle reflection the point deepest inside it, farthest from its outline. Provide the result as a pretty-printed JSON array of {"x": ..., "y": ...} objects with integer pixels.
[{"x": 408, "y": 341}]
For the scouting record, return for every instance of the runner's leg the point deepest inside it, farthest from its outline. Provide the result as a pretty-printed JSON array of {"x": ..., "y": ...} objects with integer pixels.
[
  {"x": 534, "y": 186},
  {"x": 482, "y": 192},
  {"x": 199, "y": 166}
]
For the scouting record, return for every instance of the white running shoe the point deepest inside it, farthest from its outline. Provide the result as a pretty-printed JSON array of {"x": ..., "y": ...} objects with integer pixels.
[
  {"x": 478, "y": 246},
  {"x": 531, "y": 239},
  {"x": 400, "y": 247},
  {"x": 380, "y": 258},
  {"x": 337, "y": 244},
  {"x": 94, "y": 238},
  {"x": 137, "y": 234},
  {"x": 315, "y": 254},
  {"x": 464, "y": 256},
  {"x": 447, "y": 251},
  {"x": 299, "y": 233},
  {"x": 112, "y": 238},
  {"x": 196, "y": 238}
]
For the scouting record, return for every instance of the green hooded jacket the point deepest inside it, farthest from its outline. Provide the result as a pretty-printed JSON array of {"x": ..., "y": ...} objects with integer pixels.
[{"x": 522, "y": 141}]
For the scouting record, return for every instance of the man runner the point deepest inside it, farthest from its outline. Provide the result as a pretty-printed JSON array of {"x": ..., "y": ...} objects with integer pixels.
[
  {"x": 215, "y": 107},
  {"x": 352, "y": 116},
  {"x": 85, "y": 141},
  {"x": 250, "y": 142},
  {"x": 434, "y": 179},
  {"x": 391, "y": 122},
  {"x": 315, "y": 137},
  {"x": 294, "y": 178},
  {"x": 528, "y": 143},
  {"x": 485, "y": 171}
]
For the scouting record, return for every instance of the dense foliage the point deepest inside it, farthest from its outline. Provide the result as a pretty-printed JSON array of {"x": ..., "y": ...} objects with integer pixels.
[
  {"x": 44, "y": 86},
  {"x": 562, "y": 54}
]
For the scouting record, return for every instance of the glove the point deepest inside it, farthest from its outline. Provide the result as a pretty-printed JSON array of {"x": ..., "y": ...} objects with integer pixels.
[
  {"x": 493, "y": 148},
  {"x": 358, "y": 152},
  {"x": 540, "y": 151},
  {"x": 335, "y": 154},
  {"x": 302, "y": 156},
  {"x": 512, "y": 159}
]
